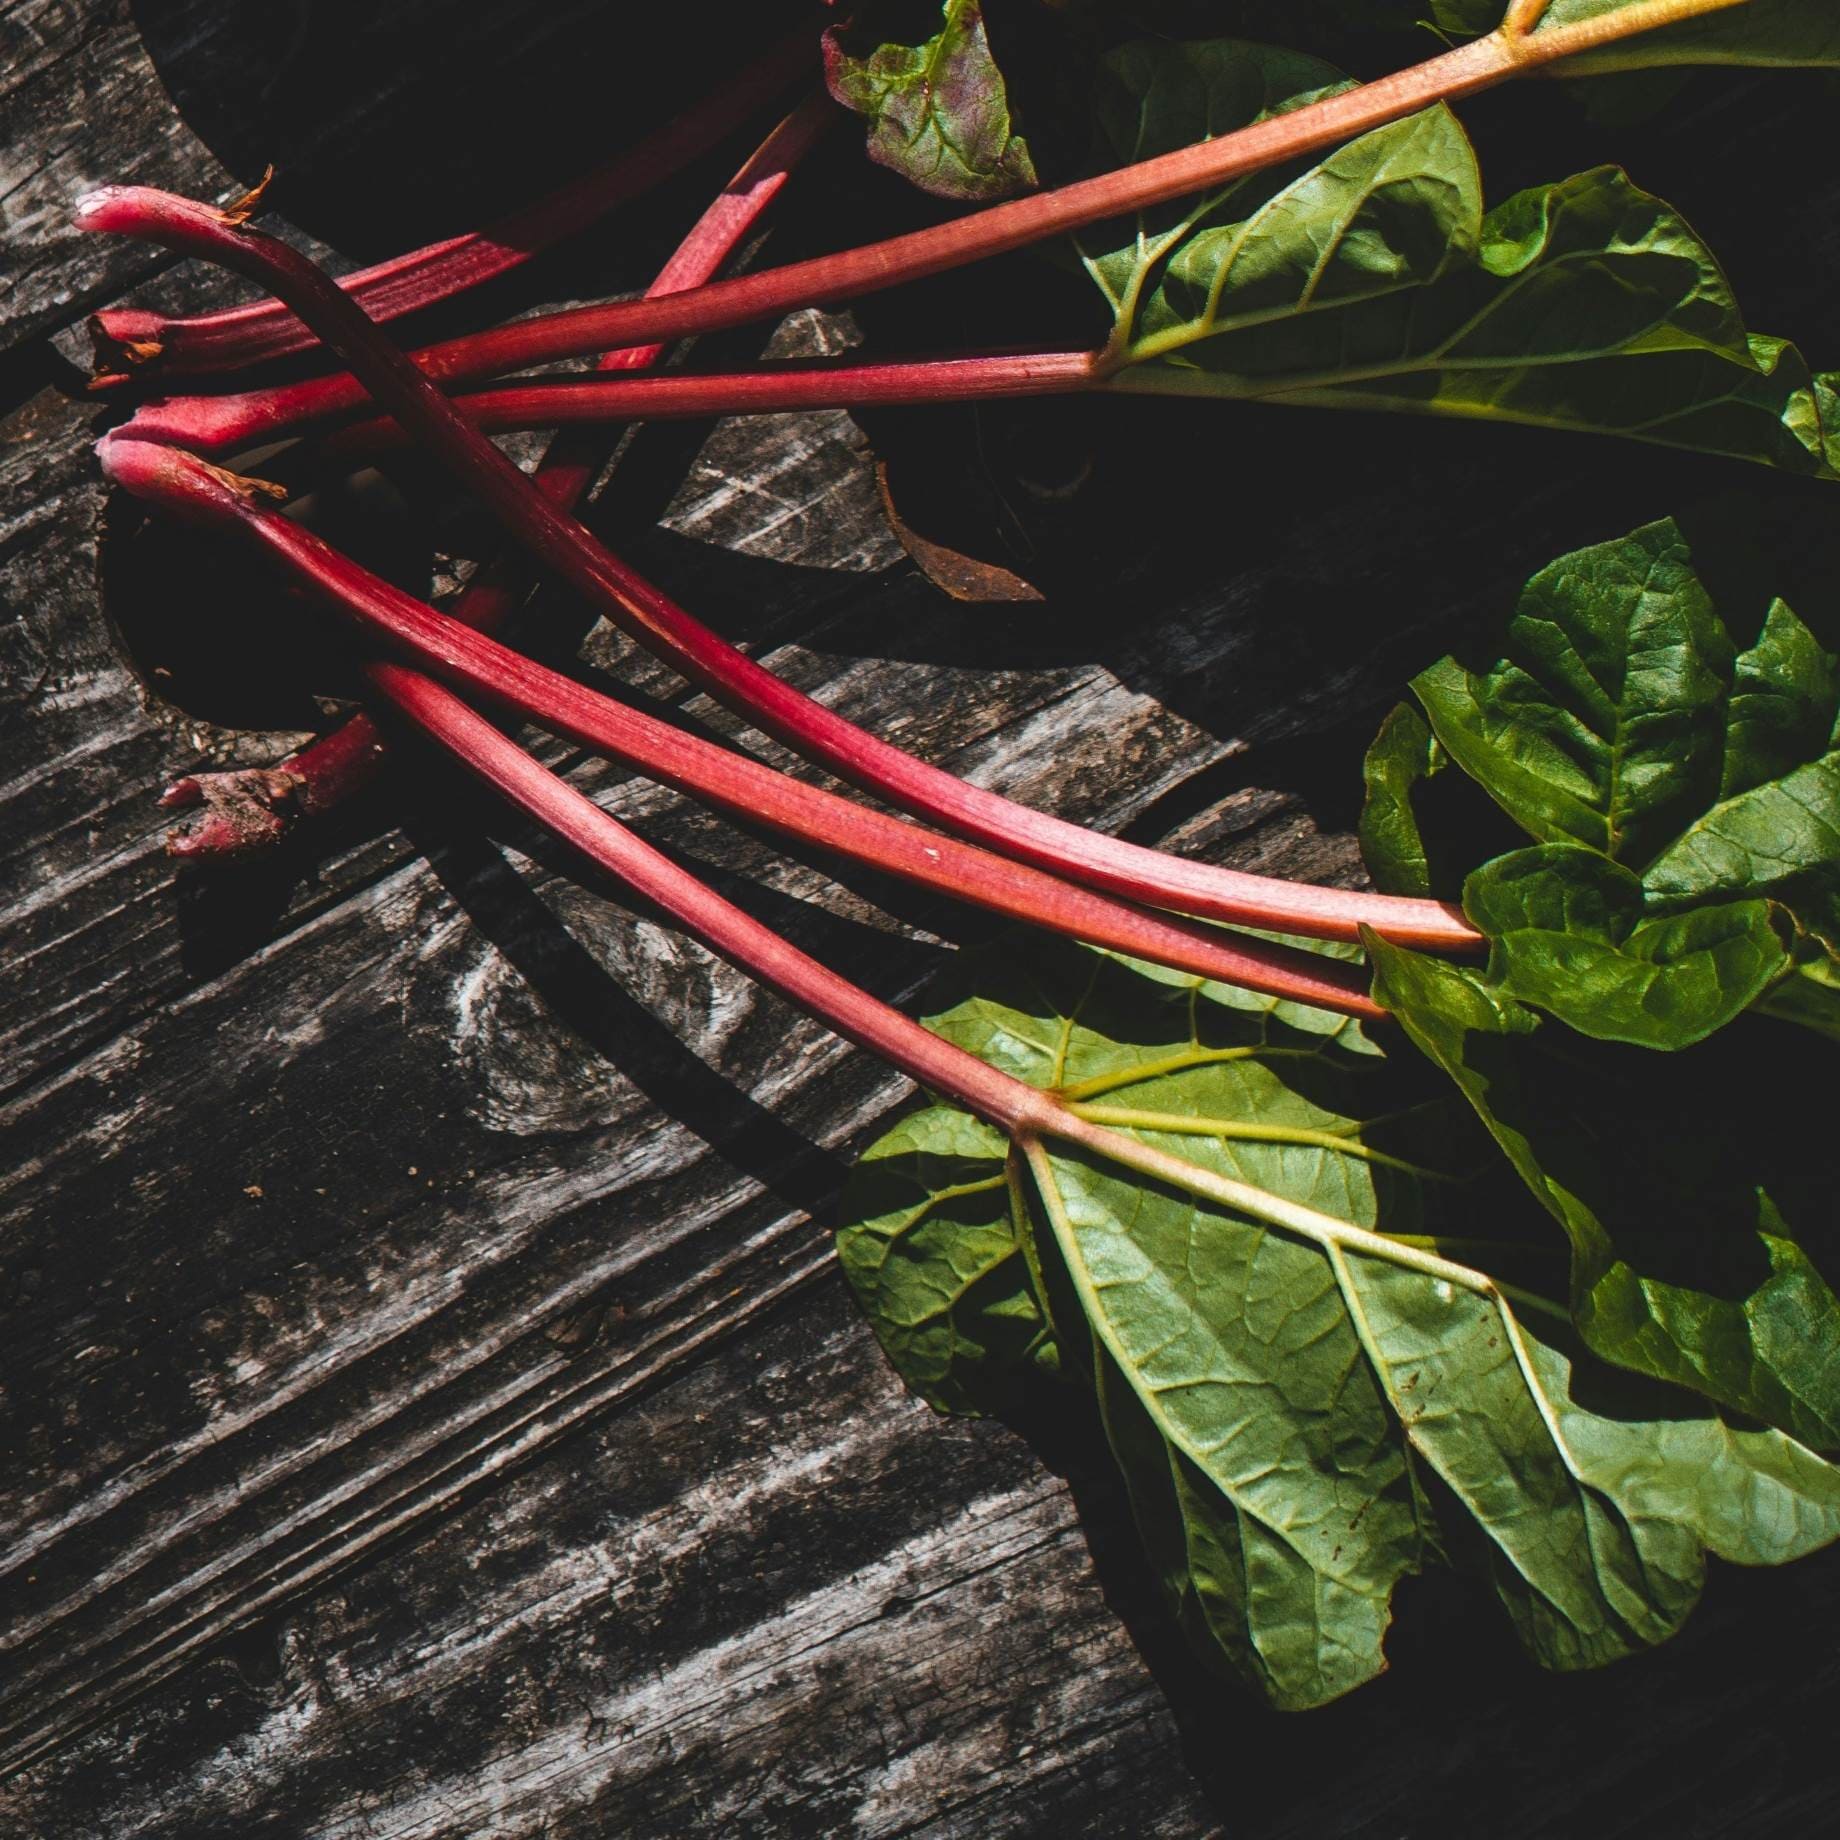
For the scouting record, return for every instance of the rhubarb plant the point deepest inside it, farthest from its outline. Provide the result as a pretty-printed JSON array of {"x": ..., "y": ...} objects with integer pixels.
[
  {"x": 1476, "y": 1214},
  {"x": 1300, "y": 1384},
  {"x": 1303, "y": 1359},
  {"x": 1373, "y": 279}
]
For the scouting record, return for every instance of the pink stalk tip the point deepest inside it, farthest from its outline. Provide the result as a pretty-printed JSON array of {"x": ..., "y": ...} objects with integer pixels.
[
  {"x": 94, "y": 209},
  {"x": 120, "y": 344},
  {"x": 246, "y": 811},
  {"x": 150, "y": 469}
]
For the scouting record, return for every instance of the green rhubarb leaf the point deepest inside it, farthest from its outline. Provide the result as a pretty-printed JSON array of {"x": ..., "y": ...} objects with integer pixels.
[
  {"x": 1692, "y": 1188},
  {"x": 937, "y": 106},
  {"x": 1388, "y": 211},
  {"x": 1276, "y": 1374},
  {"x": 1784, "y": 705},
  {"x": 1373, "y": 279},
  {"x": 1627, "y": 722},
  {"x": 1569, "y": 931},
  {"x": 1603, "y": 720},
  {"x": 935, "y": 1253},
  {"x": 1623, "y": 715},
  {"x": 1780, "y": 838}
]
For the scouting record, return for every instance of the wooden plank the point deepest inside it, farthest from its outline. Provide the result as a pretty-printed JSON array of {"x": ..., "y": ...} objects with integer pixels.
[
  {"x": 225, "y": 1397},
  {"x": 771, "y": 1596}
]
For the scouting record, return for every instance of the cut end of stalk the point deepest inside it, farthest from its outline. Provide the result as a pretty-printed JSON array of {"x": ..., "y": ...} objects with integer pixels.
[
  {"x": 245, "y": 812},
  {"x": 146, "y": 210},
  {"x": 109, "y": 208},
  {"x": 122, "y": 341},
  {"x": 151, "y": 470}
]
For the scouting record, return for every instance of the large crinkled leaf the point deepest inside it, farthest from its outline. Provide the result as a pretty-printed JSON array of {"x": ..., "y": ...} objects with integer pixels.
[
  {"x": 937, "y": 107},
  {"x": 1278, "y": 1379},
  {"x": 1598, "y": 714},
  {"x": 1694, "y": 1188},
  {"x": 933, "y": 1245},
  {"x": 1619, "y": 713},
  {"x": 1759, "y": 32},
  {"x": 1685, "y": 776},
  {"x": 1373, "y": 279}
]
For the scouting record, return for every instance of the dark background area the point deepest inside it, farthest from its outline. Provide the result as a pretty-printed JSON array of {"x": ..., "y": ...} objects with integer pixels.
[{"x": 428, "y": 1403}]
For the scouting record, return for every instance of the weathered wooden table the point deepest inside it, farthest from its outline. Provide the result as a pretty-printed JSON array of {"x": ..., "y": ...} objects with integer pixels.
[{"x": 429, "y": 1404}]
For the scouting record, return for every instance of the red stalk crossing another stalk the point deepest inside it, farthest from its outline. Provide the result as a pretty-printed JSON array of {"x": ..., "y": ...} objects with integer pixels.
[
  {"x": 253, "y": 810},
  {"x": 1027, "y": 1115},
  {"x": 226, "y": 425},
  {"x": 737, "y": 936},
  {"x": 777, "y": 708},
  {"x": 204, "y": 495},
  {"x": 827, "y": 280}
]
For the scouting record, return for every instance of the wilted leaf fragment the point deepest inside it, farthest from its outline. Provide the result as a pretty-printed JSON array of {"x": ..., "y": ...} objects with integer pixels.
[
  {"x": 1276, "y": 1377},
  {"x": 938, "y": 110},
  {"x": 1404, "y": 754}
]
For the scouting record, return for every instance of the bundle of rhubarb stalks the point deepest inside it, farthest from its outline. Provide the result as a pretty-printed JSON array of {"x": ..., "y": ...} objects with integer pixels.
[{"x": 1475, "y": 1219}]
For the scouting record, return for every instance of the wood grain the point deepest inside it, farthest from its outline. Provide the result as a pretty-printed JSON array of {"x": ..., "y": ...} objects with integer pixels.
[{"x": 428, "y": 1402}]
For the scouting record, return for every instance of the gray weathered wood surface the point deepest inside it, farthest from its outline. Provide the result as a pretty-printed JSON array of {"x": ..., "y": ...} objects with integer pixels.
[{"x": 428, "y": 1404}]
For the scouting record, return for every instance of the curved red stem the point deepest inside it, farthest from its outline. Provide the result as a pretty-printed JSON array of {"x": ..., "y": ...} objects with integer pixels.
[
  {"x": 205, "y": 495},
  {"x": 130, "y": 342},
  {"x": 249, "y": 812}
]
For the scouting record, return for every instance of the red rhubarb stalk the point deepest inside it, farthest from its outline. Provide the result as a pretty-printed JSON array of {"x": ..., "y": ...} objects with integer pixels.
[
  {"x": 995, "y": 230},
  {"x": 737, "y": 936},
  {"x": 479, "y": 664},
  {"x": 254, "y": 810},
  {"x": 225, "y": 425},
  {"x": 706, "y": 659},
  {"x": 131, "y": 342}
]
